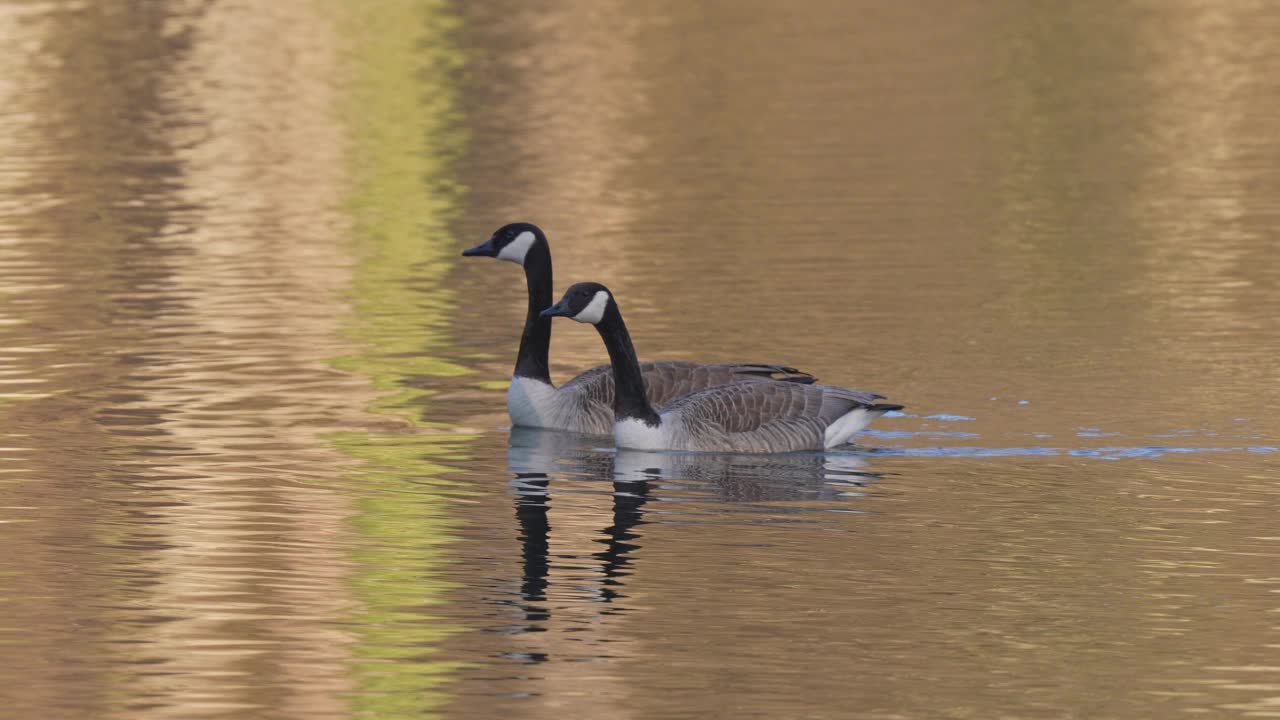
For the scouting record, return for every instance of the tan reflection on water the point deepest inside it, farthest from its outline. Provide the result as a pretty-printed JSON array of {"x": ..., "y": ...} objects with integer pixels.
[
  {"x": 263, "y": 264},
  {"x": 1211, "y": 262},
  {"x": 175, "y": 142},
  {"x": 1135, "y": 189},
  {"x": 62, "y": 346}
]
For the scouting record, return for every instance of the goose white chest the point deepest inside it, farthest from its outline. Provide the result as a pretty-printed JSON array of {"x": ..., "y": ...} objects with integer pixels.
[
  {"x": 637, "y": 435},
  {"x": 532, "y": 403}
]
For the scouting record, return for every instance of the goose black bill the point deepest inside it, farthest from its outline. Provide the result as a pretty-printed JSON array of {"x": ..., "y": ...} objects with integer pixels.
[
  {"x": 484, "y": 249},
  {"x": 560, "y": 309}
]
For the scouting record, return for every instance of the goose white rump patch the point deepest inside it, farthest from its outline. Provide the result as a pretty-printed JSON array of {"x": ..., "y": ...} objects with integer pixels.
[
  {"x": 845, "y": 426},
  {"x": 594, "y": 311},
  {"x": 518, "y": 248}
]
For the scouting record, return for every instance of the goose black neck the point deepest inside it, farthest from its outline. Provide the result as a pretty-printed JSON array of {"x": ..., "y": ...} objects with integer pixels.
[
  {"x": 535, "y": 342},
  {"x": 629, "y": 396}
]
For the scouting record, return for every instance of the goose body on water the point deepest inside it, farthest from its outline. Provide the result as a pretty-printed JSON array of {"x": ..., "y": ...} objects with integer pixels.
[
  {"x": 585, "y": 403},
  {"x": 748, "y": 417}
]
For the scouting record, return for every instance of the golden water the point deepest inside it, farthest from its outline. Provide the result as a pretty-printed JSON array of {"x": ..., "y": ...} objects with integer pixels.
[{"x": 254, "y": 458}]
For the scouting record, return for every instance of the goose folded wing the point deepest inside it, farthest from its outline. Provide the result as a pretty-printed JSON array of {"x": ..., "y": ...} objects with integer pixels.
[
  {"x": 761, "y": 416},
  {"x": 668, "y": 380}
]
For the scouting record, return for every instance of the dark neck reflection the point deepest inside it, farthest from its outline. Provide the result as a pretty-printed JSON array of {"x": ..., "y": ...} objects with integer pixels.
[
  {"x": 532, "y": 504},
  {"x": 629, "y": 499},
  {"x": 533, "y": 456}
]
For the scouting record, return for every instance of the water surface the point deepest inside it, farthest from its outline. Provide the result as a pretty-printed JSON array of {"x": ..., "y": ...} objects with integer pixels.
[{"x": 255, "y": 458}]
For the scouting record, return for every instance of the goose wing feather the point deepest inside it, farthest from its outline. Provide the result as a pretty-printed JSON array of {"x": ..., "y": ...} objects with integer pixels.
[
  {"x": 668, "y": 380},
  {"x": 761, "y": 416}
]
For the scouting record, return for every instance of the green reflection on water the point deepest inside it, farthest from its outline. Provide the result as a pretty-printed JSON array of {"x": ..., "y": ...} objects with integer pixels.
[
  {"x": 401, "y": 114},
  {"x": 403, "y": 117}
]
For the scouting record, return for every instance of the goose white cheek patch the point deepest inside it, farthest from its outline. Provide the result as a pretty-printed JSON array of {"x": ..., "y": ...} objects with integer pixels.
[
  {"x": 517, "y": 249},
  {"x": 594, "y": 310}
]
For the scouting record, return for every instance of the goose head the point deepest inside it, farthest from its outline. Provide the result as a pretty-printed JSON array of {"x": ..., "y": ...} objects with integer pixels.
[
  {"x": 585, "y": 302},
  {"x": 510, "y": 242}
]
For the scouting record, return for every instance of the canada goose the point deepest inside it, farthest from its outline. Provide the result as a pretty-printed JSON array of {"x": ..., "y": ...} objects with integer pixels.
[
  {"x": 755, "y": 417},
  {"x": 585, "y": 403}
]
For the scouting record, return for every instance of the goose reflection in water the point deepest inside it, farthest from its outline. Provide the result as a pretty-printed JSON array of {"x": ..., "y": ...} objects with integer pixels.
[
  {"x": 579, "y": 463},
  {"x": 533, "y": 456},
  {"x": 749, "y": 478}
]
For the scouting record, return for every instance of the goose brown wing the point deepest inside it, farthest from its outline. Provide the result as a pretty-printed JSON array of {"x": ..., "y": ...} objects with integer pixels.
[
  {"x": 594, "y": 386},
  {"x": 668, "y": 380},
  {"x": 762, "y": 416}
]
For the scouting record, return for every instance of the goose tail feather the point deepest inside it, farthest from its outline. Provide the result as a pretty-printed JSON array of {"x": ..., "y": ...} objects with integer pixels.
[
  {"x": 783, "y": 373},
  {"x": 884, "y": 408}
]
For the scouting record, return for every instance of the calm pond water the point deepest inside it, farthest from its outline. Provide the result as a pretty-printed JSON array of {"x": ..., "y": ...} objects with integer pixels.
[{"x": 255, "y": 461}]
